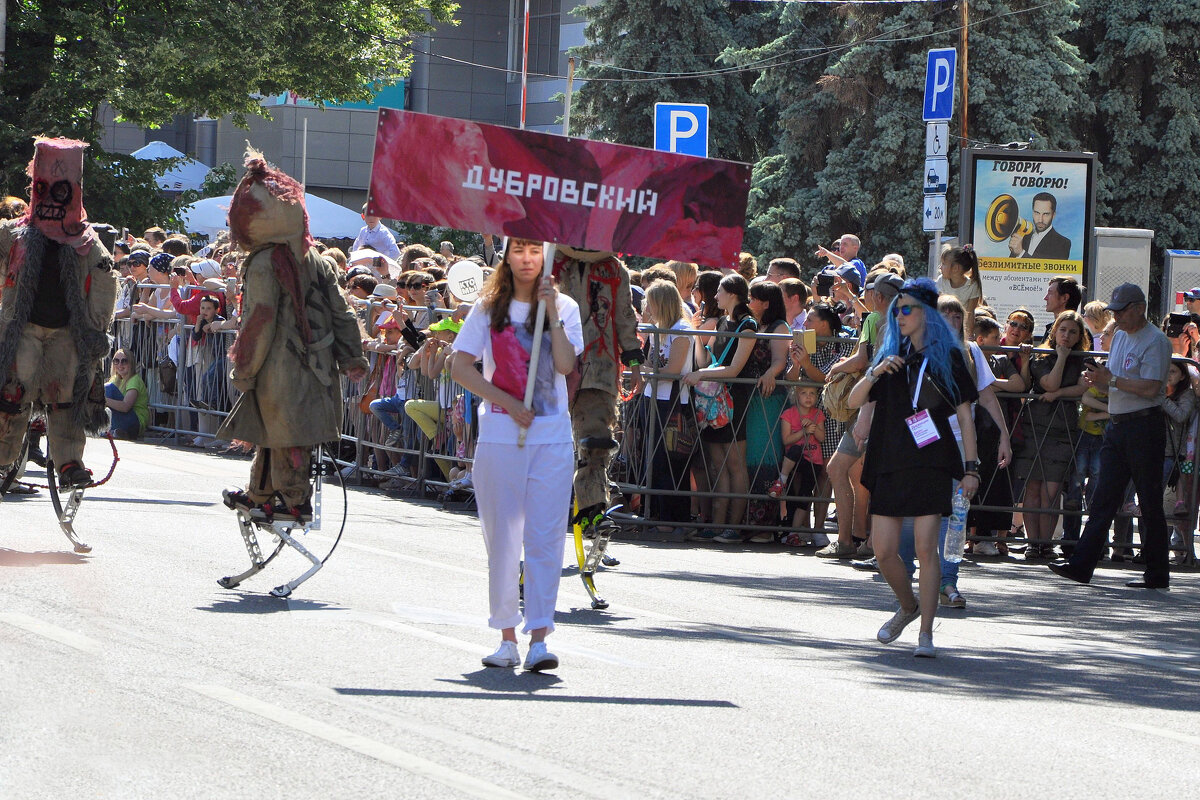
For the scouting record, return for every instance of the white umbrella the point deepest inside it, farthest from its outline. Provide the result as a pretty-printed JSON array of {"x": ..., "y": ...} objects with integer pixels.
[
  {"x": 188, "y": 175},
  {"x": 326, "y": 220}
]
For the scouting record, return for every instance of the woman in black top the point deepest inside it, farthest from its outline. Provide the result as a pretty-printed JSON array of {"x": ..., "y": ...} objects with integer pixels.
[
  {"x": 725, "y": 447},
  {"x": 919, "y": 377}
]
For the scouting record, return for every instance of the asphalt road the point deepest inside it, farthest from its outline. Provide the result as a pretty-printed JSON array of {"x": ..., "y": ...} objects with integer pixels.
[{"x": 735, "y": 672}]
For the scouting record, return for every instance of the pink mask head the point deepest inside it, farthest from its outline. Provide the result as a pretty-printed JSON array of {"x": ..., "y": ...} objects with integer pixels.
[{"x": 56, "y": 193}]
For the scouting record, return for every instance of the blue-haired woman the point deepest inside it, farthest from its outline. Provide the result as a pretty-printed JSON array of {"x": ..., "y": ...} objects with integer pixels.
[{"x": 918, "y": 379}]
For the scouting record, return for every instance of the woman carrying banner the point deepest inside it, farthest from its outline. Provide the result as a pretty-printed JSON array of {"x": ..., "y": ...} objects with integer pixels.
[{"x": 523, "y": 491}]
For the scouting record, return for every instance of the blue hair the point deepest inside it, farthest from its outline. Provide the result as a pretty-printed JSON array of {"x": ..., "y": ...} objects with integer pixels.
[{"x": 939, "y": 341}]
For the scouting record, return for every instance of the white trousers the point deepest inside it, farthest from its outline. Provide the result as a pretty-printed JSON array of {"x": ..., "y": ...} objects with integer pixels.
[{"x": 524, "y": 496}]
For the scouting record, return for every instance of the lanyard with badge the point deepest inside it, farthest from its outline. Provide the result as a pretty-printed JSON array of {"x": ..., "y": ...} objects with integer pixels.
[{"x": 920, "y": 424}]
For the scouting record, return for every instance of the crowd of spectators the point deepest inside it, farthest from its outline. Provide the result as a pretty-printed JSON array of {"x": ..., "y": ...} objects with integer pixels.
[{"x": 780, "y": 345}]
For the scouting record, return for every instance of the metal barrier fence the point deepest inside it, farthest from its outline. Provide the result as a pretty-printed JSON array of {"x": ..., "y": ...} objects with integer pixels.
[{"x": 436, "y": 422}]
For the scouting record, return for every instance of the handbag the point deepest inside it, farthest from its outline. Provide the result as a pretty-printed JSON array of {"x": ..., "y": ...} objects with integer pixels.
[
  {"x": 167, "y": 372},
  {"x": 834, "y": 394},
  {"x": 681, "y": 431},
  {"x": 372, "y": 392},
  {"x": 713, "y": 402}
]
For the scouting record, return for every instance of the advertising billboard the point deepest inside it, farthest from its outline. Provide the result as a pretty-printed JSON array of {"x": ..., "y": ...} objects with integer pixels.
[{"x": 1030, "y": 216}]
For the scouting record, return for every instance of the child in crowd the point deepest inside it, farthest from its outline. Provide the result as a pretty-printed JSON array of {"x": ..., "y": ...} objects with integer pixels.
[
  {"x": 803, "y": 428},
  {"x": 127, "y": 399},
  {"x": 1180, "y": 408}
]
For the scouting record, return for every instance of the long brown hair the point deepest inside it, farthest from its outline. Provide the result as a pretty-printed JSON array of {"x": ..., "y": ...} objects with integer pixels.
[{"x": 497, "y": 293}]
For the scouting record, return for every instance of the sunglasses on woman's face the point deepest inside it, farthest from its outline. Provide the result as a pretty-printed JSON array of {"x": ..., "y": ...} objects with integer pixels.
[
  {"x": 120, "y": 360},
  {"x": 418, "y": 286},
  {"x": 904, "y": 309},
  {"x": 1021, "y": 326}
]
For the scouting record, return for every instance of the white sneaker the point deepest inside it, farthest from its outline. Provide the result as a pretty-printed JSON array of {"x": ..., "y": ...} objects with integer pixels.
[
  {"x": 506, "y": 656},
  {"x": 892, "y": 629},
  {"x": 925, "y": 648},
  {"x": 539, "y": 658},
  {"x": 820, "y": 540},
  {"x": 986, "y": 549}
]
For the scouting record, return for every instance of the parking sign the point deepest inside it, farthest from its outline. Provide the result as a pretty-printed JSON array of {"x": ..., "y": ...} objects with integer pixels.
[
  {"x": 681, "y": 128},
  {"x": 939, "y": 84}
]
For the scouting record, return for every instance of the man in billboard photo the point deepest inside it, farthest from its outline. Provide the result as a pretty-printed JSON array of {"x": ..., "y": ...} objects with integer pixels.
[{"x": 1044, "y": 241}]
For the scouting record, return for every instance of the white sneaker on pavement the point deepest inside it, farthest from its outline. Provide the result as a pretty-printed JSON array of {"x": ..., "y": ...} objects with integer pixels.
[
  {"x": 539, "y": 658},
  {"x": 892, "y": 629},
  {"x": 506, "y": 656},
  {"x": 925, "y": 648},
  {"x": 986, "y": 549}
]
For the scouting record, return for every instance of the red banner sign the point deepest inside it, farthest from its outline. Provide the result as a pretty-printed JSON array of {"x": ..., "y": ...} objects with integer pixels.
[{"x": 471, "y": 176}]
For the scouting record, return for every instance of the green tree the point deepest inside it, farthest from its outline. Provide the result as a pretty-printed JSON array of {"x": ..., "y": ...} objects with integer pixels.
[
  {"x": 151, "y": 60},
  {"x": 1146, "y": 127},
  {"x": 850, "y": 144},
  {"x": 627, "y": 39}
]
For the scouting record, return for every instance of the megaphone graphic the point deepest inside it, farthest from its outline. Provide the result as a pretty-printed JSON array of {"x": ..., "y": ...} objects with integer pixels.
[{"x": 1003, "y": 219}]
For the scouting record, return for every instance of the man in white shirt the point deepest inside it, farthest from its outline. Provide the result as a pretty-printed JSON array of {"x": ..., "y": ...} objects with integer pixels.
[
  {"x": 1134, "y": 442},
  {"x": 376, "y": 237}
]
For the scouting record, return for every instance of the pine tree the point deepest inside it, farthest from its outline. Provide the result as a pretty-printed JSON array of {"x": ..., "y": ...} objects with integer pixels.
[
  {"x": 632, "y": 42},
  {"x": 1146, "y": 128}
]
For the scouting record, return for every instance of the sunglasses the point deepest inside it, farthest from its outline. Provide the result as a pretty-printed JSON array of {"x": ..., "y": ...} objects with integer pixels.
[
  {"x": 905, "y": 309},
  {"x": 120, "y": 360},
  {"x": 1021, "y": 326},
  {"x": 418, "y": 286}
]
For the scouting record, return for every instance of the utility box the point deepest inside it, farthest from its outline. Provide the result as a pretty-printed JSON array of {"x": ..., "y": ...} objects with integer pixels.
[
  {"x": 1122, "y": 256},
  {"x": 1181, "y": 273}
]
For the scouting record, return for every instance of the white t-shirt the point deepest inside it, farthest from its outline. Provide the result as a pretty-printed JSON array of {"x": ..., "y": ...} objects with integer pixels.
[
  {"x": 983, "y": 379},
  {"x": 658, "y": 362},
  {"x": 552, "y": 418},
  {"x": 968, "y": 291}
]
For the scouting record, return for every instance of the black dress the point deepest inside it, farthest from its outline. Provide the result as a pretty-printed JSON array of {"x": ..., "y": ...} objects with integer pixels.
[{"x": 906, "y": 480}]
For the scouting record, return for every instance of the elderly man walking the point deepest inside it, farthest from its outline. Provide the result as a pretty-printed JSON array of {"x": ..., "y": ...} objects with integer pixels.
[{"x": 1133, "y": 442}]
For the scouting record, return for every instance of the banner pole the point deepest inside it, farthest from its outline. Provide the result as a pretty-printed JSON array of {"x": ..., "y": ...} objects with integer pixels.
[
  {"x": 525, "y": 66},
  {"x": 539, "y": 325}
]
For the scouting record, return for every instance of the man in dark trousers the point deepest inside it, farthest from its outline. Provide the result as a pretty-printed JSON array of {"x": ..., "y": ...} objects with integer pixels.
[{"x": 1134, "y": 441}]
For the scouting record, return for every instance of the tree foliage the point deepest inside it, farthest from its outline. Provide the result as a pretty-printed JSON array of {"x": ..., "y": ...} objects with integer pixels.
[
  {"x": 151, "y": 60},
  {"x": 834, "y": 106},
  {"x": 629, "y": 37}
]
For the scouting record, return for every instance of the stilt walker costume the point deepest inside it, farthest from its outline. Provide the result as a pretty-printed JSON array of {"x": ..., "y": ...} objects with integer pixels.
[
  {"x": 57, "y": 305},
  {"x": 297, "y": 333},
  {"x": 599, "y": 284}
]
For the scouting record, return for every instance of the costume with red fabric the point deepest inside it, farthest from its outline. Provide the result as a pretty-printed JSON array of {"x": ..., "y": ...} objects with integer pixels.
[{"x": 57, "y": 305}]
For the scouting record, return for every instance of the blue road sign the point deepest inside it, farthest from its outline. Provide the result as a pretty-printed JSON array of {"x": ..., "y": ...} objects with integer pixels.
[
  {"x": 939, "y": 84},
  {"x": 681, "y": 128}
]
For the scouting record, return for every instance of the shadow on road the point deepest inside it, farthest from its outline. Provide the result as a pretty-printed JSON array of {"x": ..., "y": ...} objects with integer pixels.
[
  {"x": 19, "y": 558},
  {"x": 513, "y": 684},
  {"x": 247, "y": 603}
]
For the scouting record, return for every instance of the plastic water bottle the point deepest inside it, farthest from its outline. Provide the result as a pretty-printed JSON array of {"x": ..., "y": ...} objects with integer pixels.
[{"x": 956, "y": 531}]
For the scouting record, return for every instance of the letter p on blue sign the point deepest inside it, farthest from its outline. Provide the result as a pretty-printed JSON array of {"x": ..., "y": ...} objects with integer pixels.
[
  {"x": 681, "y": 128},
  {"x": 939, "y": 84}
]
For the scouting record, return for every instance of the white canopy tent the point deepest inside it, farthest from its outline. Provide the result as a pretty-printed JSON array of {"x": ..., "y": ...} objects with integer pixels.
[
  {"x": 326, "y": 220},
  {"x": 188, "y": 175}
]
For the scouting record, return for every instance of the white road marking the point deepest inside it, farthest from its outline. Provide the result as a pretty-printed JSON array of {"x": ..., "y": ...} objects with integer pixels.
[
  {"x": 459, "y": 781},
  {"x": 1163, "y": 732},
  {"x": 49, "y": 631}
]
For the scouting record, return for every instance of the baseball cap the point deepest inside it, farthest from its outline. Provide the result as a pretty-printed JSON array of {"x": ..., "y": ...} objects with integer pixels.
[
  {"x": 848, "y": 273},
  {"x": 387, "y": 320},
  {"x": 446, "y": 324},
  {"x": 887, "y": 285},
  {"x": 1125, "y": 294},
  {"x": 1193, "y": 294},
  {"x": 355, "y": 271}
]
